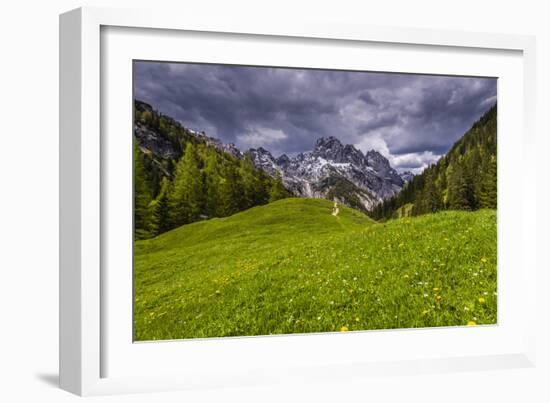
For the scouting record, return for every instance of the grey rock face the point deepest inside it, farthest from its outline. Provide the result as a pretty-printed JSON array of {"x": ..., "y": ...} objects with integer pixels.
[
  {"x": 229, "y": 148},
  {"x": 264, "y": 160},
  {"x": 406, "y": 176},
  {"x": 283, "y": 161},
  {"x": 152, "y": 141}
]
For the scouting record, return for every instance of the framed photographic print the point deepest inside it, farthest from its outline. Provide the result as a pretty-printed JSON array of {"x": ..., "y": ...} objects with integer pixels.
[
  {"x": 348, "y": 202},
  {"x": 243, "y": 203}
]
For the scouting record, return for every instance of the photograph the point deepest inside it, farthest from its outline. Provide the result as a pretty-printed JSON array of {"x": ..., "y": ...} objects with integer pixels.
[{"x": 275, "y": 200}]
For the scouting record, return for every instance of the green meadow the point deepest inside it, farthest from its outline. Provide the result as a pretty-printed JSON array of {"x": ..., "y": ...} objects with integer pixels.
[{"x": 292, "y": 267}]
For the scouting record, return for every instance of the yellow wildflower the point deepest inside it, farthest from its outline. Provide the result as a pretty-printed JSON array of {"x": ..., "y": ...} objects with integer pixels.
[
  {"x": 483, "y": 259},
  {"x": 481, "y": 300},
  {"x": 471, "y": 323},
  {"x": 435, "y": 289},
  {"x": 344, "y": 329}
]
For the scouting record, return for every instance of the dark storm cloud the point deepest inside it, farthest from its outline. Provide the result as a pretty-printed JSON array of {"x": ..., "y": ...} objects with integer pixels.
[
  {"x": 367, "y": 98},
  {"x": 412, "y": 119}
]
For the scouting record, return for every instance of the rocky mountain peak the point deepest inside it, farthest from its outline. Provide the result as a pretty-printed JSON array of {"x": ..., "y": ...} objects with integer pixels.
[
  {"x": 406, "y": 176},
  {"x": 353, "y": 155},
  {"x": 232, "y": 149},
  {"x": 329, "y": 148},
  {"x": 262, "y": 150},
  {"x": 327, "y": 142},
  {"x": 382, "y": 166},
  {"x": 283, "y": 161},
  {"x": 143, "y": 106},
  {"x": 377, "y": 160},
  {"x": 263, "y": 159}
]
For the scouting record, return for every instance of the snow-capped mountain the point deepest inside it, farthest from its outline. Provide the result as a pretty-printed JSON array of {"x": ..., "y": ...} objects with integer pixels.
[
  {"x": 406, "y": 176},
  {"x": 333, "y": 170}
]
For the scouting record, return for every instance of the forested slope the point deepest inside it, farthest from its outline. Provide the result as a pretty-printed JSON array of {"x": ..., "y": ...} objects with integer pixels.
[
  {"x": 464, "y": 179},
  {"x": 181, "y": 176}
]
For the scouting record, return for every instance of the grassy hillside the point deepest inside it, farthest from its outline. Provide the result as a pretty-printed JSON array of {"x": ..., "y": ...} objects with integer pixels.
[{"x": 292, "y": 267}]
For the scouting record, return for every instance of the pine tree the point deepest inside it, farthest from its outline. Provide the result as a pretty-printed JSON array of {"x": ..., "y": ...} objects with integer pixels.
[
  {"x": 458, "y": 189},
  {"x": 429, "y": 199},
  {"x": 488, "y": 193},
  {"x": 251, "y": 183},
  {"x": 142, "y": 198},
  {"x": 265, "y": 187},
  {"x": 475, "y": 175},
  {"x": 230, "y": 191},
  {"x": 161, "y": 220},
  {"x": 186, "y": 199},
  {"x": 212, "y": 182},
  {"x": 278, "y": 190}
]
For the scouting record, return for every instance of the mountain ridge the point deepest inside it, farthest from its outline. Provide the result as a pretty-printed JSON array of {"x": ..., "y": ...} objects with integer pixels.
[{"x": 331, "y": 170}]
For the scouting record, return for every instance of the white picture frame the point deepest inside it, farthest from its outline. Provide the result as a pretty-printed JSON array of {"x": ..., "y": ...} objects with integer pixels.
[{"x": 88, "y": 333}]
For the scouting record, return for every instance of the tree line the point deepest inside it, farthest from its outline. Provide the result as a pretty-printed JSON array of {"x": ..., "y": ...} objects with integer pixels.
[
  {"x": 202, "y": 183},
  {"x": 464, "y": 179}
]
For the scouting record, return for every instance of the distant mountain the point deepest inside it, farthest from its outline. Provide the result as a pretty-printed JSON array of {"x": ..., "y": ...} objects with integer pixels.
[
  {"x": 331, "y": 170},
  {"x": 407, "y": 176},
  {"x": 464, "y": 179},
  {"x": 334, "y": 171}
]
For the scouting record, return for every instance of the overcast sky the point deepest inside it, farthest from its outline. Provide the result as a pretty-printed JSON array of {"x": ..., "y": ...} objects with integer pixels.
[{"x": 411, "y": 119}]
